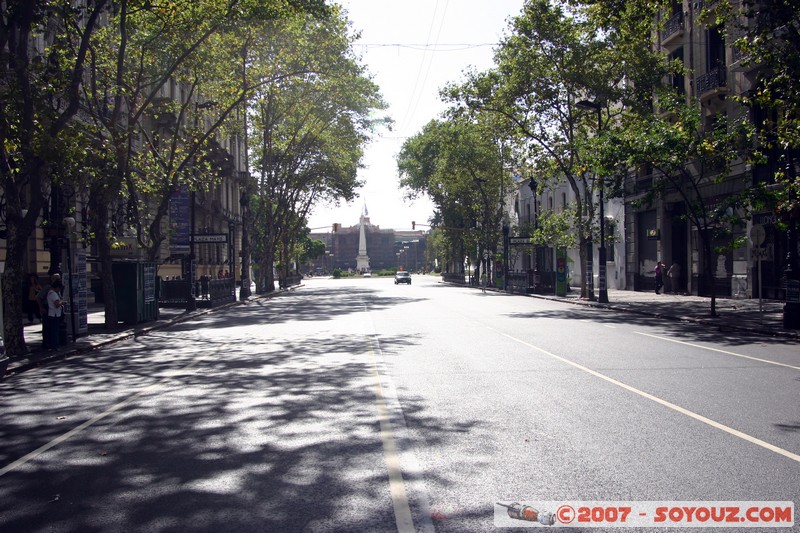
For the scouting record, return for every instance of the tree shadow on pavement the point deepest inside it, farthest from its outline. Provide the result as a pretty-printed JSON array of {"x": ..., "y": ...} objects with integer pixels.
[
  {"x": 317, "y": 305},
  {"x": 233, "y": 434},
  {"x": 687, "y": 330}
]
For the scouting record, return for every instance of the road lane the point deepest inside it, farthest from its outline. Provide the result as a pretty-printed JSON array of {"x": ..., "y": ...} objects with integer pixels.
[
  {"x": 278, "y": 431},
  {"x": 521, "y": 425},
  {"x": 304, "y": 410},
  {"x": 701, "y": 379}
]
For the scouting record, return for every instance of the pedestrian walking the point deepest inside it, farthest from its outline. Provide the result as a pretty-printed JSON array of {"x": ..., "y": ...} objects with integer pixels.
[
  {"x": 54, "y": 311},
  {"x": 484, "y": 281},
  {"x": 659, "y": 270},
  {"x": 674, "y": 275}
]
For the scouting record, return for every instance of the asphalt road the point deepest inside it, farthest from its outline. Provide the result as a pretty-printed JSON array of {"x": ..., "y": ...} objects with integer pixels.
[{"x": 364, "y": 406}]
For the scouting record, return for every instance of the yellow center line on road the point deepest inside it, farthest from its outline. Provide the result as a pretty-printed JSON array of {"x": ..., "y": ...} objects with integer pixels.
[
  {"x": 726, "y": 352},
  {"x": 677, "y": 408},
  {"x": 397, "y": 489}
]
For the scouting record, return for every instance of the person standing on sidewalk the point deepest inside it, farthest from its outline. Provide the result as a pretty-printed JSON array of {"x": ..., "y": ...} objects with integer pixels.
[
  {"x": 54, "y": 310},
  {"x": 674, "y": 275},
  {"x": 659, "y": 270},
  {"x": 43, "y": 307}
]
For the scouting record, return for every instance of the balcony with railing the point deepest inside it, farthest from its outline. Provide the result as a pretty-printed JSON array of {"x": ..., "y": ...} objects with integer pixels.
[
  {"x": 712, "y": 82},
  {"x": 673, "y": 29}
]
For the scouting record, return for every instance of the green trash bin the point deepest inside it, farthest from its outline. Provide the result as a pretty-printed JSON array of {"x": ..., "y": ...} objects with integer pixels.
[{"x": 135, "y": 287}]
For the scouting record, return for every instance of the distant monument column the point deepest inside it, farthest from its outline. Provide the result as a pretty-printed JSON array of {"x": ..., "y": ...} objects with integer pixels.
[{"x": 362, "y": 260}]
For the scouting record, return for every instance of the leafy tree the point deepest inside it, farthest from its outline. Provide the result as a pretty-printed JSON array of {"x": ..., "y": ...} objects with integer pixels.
[
  {"x": 554, "y": 230},
  {"x": 458, "y": 163},
  {"x": 553, "y": 60},
  {"x": 690, "y": 159},
  {"x": 310, "y": 249},
  {"x": 143, "y": 50},
  {"x": 44, "y": 53},
  {"x": 766, "y": 37},
  {"x": 307, "y": 133}
]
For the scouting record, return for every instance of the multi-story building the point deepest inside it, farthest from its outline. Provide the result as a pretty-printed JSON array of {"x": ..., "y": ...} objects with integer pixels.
[
  {"x": 660, "y": 231},
  {"x": 387, "y": 249},
  {"x": 542, "y": 260}
]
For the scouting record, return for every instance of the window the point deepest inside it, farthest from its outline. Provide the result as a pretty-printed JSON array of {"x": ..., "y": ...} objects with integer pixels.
[
  {"x": 715, "y": 49},
  {"x": 677, "y": 78}
]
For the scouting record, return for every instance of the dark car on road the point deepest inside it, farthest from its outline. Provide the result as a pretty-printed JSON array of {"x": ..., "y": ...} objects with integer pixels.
[{"x": 402, "y": 277}]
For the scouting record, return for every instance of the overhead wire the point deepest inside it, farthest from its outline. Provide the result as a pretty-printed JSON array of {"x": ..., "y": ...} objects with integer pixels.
[
  {"x": 438, "y": 47},
  {"x": 421, "y": 64},
  {"x": 415, "y": 99}
]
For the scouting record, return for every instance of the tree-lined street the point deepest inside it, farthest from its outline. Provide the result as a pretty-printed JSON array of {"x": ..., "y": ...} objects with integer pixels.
[{"x": 360, "y": 405}]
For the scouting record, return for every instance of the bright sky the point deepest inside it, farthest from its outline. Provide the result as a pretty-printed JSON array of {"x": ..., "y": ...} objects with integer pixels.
[{"x": 412, "y": 48}]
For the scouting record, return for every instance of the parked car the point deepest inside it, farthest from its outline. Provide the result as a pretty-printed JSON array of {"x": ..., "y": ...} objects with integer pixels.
[{"x": 402, "y": 277}]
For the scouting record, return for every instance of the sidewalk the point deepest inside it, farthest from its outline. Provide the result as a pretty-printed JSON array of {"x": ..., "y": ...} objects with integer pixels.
[
  {"x": 732, "y": 314},
  {"x": 98, "y": 335}
]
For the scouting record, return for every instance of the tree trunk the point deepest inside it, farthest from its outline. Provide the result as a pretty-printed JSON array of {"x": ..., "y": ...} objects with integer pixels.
[
  {"x": 708, "y": 270},
  {"x": 18, "y": 231},
  {"x": 245, "y": 274},
  {"x": 12, "y": 293},
  {"x": 582, "y": 257}
]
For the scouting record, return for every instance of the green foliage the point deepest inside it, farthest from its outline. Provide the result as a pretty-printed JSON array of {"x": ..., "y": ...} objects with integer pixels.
[
  {"x": 552, "y": 60},
  {"x": 310, "y": 249},
  {"x": 306, "y": 131},
  {"x": 555, "y": 230},
  {"x": 460, "y": 163},
  {"x": 767, "y": 34},
  {"x": 337, "y": 273}
]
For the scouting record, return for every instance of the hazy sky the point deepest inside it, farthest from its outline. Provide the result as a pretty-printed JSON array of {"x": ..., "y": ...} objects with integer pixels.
[{"x": 413, "y": 48}]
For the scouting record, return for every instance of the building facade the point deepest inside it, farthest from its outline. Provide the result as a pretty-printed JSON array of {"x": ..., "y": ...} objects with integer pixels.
[
  {"x": 387, "y": 249},
  {"x": 660, "y": 231}
]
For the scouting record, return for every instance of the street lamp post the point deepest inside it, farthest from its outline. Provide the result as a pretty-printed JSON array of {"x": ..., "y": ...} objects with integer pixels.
[
  {"x": 233, "y": 220},
  {"x": 601, "y": 252},
  {"x": 69, "y": 223},
  {"x": 505, "y": 255},
  {"x": 791, "y": 307},
  {"x": 189, "y": 266},
  {"x": 244, "y": 202}
]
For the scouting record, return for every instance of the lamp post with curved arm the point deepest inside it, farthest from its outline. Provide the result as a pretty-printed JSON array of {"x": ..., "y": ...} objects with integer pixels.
[{"x": 601, "y": 251}]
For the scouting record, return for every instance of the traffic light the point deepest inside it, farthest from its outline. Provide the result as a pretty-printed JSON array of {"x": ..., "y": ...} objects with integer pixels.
[{"x": 413, "y": 225}]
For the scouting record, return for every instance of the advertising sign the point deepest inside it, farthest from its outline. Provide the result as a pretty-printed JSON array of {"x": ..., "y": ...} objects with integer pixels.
[
  {"x": 561, "y": 272},
  {"x": 179, "y": 212}
]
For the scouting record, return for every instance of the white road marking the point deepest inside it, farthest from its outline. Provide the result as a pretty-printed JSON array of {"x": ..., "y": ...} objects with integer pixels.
[
  {"x": 717, "y": 350},
  {"x": 665, "y": 403}
]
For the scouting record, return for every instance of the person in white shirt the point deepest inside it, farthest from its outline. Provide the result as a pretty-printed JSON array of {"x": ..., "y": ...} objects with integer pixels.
[{"x": 54, "y": 310}]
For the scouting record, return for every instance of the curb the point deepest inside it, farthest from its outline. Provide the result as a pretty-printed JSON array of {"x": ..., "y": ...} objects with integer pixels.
[
  {"x": 708, "y": 321},
  {"x": 30, "y": 364}
]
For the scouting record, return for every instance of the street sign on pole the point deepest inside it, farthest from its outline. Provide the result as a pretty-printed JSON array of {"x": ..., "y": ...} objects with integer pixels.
[
  {"x": 758, "y": 254},
  {"x": 517, "y": 241},
  {"x": 210, "y": 238},
  {"x": 758, "y": 234}
]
